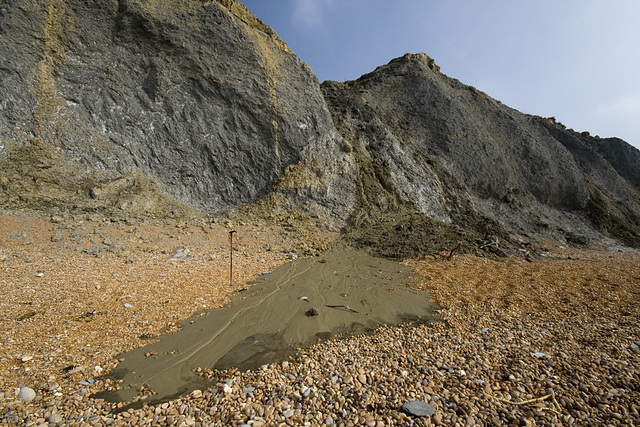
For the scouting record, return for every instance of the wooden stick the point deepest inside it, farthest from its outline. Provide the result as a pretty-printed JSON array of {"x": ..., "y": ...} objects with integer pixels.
[
  {"x": 524, "y": 402},
  {"x": 537, "y": 399}
]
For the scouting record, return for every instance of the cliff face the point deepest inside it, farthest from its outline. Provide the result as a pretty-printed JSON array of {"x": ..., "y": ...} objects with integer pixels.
[
  {"x": 160, "y": 107},
  {"x": 461, "y": 157},
  {"x": 198, "y": 95}
]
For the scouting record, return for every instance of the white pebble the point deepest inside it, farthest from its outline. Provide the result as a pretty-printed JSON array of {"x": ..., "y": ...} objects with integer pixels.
[{"x": 26, "y": 394}]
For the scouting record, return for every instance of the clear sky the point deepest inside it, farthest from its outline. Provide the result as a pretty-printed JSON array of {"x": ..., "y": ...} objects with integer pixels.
[{"x": 576, "y": 60}]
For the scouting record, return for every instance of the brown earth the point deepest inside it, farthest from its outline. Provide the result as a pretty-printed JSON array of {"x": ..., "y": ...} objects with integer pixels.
[{"x": 77, "y": 292}]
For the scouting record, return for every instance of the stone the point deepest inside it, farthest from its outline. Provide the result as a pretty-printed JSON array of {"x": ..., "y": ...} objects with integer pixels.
[
  {"x": 180, "y": 254},
  {"x": 288, "y": 413},
  {"x": 26, "y": 394},
  {"x": 418, "y": 408},
  {"x": 369, "y": 420},
  {"x": 55, "y": 419},
  {"x": 311, "y": 312},
  {"x": 540, "y": 355}
]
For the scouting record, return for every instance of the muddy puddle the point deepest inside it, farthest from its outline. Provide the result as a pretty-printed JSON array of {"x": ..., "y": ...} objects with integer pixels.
[{"x": 344, "y": 291}]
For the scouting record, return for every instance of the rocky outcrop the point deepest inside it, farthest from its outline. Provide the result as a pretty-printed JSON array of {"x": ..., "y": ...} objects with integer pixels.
[
  {"x": 456, "y": 155},
  {"x": 610, "y": 168},
  {"x": 198, "y": 95}
]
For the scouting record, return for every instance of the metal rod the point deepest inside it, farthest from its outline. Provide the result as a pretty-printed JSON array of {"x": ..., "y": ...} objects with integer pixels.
[{"x": 231, "y": 257}]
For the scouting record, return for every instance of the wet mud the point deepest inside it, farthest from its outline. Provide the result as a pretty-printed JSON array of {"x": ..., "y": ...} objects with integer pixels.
[{"x": 343, "y": 291}]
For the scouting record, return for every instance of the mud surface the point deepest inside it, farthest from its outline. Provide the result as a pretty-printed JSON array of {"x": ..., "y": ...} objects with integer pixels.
[{"x": 342, "y": 291}]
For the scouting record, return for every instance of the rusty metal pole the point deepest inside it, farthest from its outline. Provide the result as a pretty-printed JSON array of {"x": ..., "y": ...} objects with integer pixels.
[{"x": 231, "y": 257}]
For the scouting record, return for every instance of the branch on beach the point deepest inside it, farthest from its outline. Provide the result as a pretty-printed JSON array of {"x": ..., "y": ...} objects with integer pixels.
[
  {"x": 343, "y": 307},
  {"x": 493, "y": 243},
  {"x": 526, "y": 402}
]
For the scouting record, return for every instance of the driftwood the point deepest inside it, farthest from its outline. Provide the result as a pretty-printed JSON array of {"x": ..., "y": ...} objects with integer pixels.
[
  {"x": 526, "y": 402},
  {"x": 343, "y": 307},
  {"x": 494, "y": 244}
]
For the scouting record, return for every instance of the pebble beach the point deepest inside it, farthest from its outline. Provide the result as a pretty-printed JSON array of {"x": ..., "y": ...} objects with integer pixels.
[{"x": 553, "y": 341}]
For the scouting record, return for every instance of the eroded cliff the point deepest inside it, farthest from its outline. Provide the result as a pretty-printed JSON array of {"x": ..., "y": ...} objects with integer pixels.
[
  {"x": 441, "y": 149},
  {"x": 200, "y": 96},
  {"x": 169, "y": 108}
]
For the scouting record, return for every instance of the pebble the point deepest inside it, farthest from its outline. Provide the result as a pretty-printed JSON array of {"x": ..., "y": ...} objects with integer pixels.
[
  {"x": 55, "y": 419},
  {"x": 288, "y": 413},
  {"x": 418, "y": 408},
  {"x": 180, "y": 254},
  {"x": 26, "y": 394},
  {"x": 539, "y": 354},
  {"x": 466, "y": 371}
]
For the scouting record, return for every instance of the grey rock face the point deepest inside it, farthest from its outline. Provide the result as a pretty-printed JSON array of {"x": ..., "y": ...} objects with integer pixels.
[
  {"x": 487, "y": 146},
  {"x": 611, "y": 173},
  {"x": 201, "y": 96},
  {"x": 450, "y": 149},
  {"x": 145, "y": 106}
]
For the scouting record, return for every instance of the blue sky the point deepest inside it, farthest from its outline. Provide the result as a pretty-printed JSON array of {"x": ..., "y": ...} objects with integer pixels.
[{"x": 577, "y": 60}]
